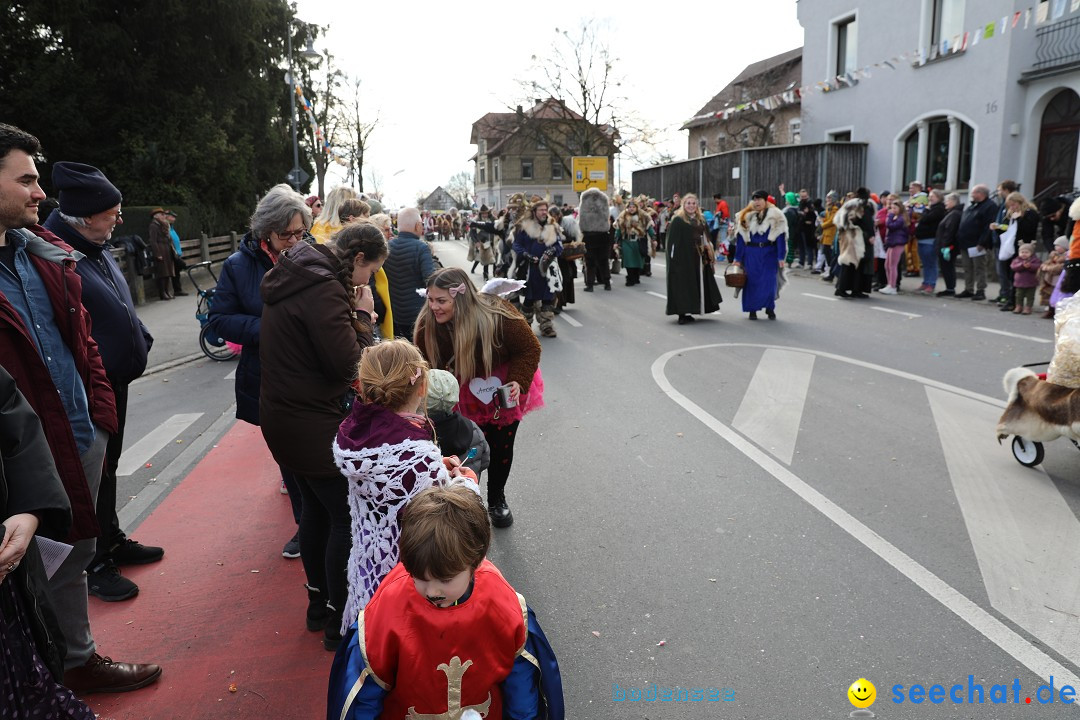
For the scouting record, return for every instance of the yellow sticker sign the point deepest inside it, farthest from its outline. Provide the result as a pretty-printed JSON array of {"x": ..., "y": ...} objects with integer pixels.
[{"x": 589, "y": 172}]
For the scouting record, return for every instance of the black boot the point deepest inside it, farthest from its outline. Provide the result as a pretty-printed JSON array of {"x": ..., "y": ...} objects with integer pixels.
[
  {"x": 317, "y": 610},
  {"x": 332, "y": 631}
]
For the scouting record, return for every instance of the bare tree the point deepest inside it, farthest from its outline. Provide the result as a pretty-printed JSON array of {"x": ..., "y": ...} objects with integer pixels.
[
  {"x": 589, "y": 115},
  {"x": 357, "y": 129},
  {"x": 763, "y": 122},
  {"x": 322, "y": 94},
  {"x": 460, "y": 187}
]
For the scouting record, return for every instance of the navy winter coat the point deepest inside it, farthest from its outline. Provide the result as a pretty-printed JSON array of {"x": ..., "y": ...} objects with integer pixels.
[
  {"x": 407, "y": 267},
  {"x": 236, "y": 315}
]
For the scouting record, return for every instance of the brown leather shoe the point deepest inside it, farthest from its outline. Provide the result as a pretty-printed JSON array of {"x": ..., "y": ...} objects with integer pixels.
[{"x": 102, "y": 675}]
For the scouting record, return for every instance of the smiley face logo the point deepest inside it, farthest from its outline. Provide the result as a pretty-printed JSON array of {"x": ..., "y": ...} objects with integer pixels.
[{"x": 862, "y": 693}]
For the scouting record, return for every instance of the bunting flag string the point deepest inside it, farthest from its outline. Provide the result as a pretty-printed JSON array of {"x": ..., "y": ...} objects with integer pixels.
[
  {"x": 326, "y": 148},
  {"x": 1043, "y": 12}
]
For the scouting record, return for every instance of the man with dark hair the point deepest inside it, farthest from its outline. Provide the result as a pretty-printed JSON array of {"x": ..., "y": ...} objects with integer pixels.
[
  {"x": 89, "y": 212},
  {"x": 46, "y": 346}
]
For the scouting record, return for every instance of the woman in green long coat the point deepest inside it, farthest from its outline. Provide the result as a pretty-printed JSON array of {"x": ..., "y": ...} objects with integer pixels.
[
  {"x": 633, "y": 233},
  {"x": 691, "y": 264}
]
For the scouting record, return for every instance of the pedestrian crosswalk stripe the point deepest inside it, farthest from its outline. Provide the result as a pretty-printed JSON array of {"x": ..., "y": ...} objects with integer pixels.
[
  {"x": 149, "y": 445},
  {"x": 1018, "y": 522},
  {"x": 772, "y": 408},
  {"x": 232, "y": 375}
]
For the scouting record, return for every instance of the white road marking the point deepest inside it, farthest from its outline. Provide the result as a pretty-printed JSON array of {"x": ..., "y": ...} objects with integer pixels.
[
  {"x": 820, "y": 297},
  {"x": 1018, "y": 522},
  {"x": 982, "y": 621},
  {"x": 771, "y": 410},
  {"x": 896, "y": 312},
  {"x": 569, "y": 319},
  {"x": 231, "y": 376},
  {"x": 656, "y": 294},
  {"x": 1013, "y": 335},
  {"x": 140, "y": 453}
]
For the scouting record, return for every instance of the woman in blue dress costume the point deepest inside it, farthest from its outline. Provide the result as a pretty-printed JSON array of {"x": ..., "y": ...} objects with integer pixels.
[{"x": 761, "y": 245}]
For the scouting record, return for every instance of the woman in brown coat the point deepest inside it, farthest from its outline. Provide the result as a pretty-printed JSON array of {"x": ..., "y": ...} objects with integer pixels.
[
  {"x": 316, "y": 320},
  {"x": 161, "y": 246},
  {"x": 487, "y": 345}
]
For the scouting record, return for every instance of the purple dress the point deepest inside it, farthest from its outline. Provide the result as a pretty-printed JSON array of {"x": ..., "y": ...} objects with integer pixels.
[{"x": 27, "y": 688}]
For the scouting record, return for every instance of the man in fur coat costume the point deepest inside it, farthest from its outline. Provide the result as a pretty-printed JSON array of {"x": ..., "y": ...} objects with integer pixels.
[
  {"x": 595, "y": 224},
  {"x": 537, "y": 243},
  {"x": 850, "y": 247},
  {"x": 760, "y": 248}
]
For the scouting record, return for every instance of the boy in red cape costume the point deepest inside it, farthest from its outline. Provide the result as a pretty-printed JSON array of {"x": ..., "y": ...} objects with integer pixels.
[{"x": 445, "y": 632}]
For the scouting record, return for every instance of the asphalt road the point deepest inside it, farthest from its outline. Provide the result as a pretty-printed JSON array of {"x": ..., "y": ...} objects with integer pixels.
[{"x": 771, "y": 509}]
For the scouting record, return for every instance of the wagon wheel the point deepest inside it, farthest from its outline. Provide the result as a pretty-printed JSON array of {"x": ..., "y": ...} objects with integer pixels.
[{"x": 1027, "y": 452}]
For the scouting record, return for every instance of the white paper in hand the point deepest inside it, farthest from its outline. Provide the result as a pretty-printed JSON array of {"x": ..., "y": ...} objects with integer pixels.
[{"x": 53, "y": 553}]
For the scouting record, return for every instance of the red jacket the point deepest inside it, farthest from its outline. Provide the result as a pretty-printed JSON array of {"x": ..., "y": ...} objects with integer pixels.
[{"x": 19, "y": 356}]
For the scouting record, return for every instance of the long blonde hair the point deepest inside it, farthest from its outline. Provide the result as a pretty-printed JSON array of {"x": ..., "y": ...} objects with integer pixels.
[
  {"x": 1015, "y": 198},
  {"x": 477, "y": 323},
  {"x": 332, "y": 207},
  {"x": 698, "y": 219}
]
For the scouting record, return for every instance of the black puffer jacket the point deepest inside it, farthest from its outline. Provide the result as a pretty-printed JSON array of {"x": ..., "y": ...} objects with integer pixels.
[{"x": 926, "y": 228}]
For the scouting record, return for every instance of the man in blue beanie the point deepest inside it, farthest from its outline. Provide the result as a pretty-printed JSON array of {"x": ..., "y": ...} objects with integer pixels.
[{"x": 89, "y": 212}]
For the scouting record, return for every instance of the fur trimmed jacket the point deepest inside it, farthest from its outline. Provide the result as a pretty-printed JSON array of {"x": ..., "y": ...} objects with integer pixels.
[
  {"x": 534, "y": 243},
  {"x": 849, "y": 234},
  {"x": 772, "y": 225}
]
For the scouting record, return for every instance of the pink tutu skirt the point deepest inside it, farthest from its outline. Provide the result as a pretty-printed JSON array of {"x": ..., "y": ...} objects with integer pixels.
[{"x": 472, "y": 404}]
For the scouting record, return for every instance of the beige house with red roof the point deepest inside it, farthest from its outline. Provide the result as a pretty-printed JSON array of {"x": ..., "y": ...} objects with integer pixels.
[{"x": 529, "y": 151}]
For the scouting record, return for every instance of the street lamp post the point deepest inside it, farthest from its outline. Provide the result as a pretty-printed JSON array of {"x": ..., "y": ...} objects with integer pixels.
[{"x": 295, "y": 176}]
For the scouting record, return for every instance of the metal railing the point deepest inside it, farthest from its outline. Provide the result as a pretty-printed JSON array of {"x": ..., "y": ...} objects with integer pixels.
[{"x": 1058, "y": 44}]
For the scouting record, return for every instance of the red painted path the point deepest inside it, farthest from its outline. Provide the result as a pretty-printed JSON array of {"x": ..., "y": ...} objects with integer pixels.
[{"x": 204, "y": 615}]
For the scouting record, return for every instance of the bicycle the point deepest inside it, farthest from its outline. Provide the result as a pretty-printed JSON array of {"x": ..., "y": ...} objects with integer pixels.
[{"x": 212, "y": 345}]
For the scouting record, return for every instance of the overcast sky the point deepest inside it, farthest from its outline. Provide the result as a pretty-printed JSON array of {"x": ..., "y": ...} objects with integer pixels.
[{"x": 430, "y": 71}]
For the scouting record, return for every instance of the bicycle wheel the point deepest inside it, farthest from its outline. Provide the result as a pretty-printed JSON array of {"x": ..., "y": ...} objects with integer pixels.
[{"x": 214, "y": 347}]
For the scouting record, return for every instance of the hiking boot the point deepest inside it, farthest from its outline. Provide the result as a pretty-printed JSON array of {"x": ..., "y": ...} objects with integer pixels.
[
  {"x": 102, "y": 674},
  {"x": 130, "y": 552},
  {"x": 332, "y": 631},
  {"x": 105, "y": 582},
  {"x": 318, "y": 612}
]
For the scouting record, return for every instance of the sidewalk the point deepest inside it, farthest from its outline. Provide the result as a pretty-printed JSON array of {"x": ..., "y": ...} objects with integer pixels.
[
  {"x": 174, "y": 327},
  {"x": 223, "y": 607}
]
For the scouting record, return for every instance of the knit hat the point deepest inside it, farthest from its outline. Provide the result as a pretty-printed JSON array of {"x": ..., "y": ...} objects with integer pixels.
[
  {"x": 1030, "y": 247},
  {"x": 84, "y": 190},
  {"x": 442, "y": 391},
  {"x": 1062, "y": 242}
]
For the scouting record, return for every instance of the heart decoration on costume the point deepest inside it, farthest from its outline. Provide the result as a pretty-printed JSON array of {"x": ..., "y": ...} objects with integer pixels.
[{"x": 484, "y": 388}]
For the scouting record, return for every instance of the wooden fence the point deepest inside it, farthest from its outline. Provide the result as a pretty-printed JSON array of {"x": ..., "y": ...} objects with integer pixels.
[
  {"x": 193, "y": 250},
  {"x": 736, "y": 174}
]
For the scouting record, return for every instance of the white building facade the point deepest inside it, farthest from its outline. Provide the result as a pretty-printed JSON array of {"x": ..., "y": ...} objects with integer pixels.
[{"x": 1006, "y": 106}]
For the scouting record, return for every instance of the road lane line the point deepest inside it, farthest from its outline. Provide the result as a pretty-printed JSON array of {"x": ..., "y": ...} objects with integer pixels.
[
  {"x": 656, "y": 294},
  {"x": 569, "y": 319},
  {"x": 1013, "y": 335},
  {"x": 140, "y": 453},
  {"x": 231, "y": 376},
  {"x": 1018, "y": 523},
  {"x": 982, "y": 621},
  {"x": 772, "y": 408},
  {"x": 820, "y": 297},
  {"x": 896, "y": 312}
]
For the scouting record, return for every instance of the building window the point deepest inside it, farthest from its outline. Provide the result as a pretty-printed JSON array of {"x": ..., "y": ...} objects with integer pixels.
[
  {"x": 482, "y": 173},
  {"x": 495, "y": 169},
  {"x": 795, "y": 131},
  {"x": 540, "y": 144},
  {"x": 842, "y": 136},
  {"x": 720, "y": 140},
  {"x": 526, "y": 169},
  {"x": 482, "y": 145},
  {"x": 556, "y": 169},
  {"x": 933, "y": 148},
  {"x": 846, "y": 46},
  {"x": 703, "y": 147},
  {"x": 946, "y": 21}
]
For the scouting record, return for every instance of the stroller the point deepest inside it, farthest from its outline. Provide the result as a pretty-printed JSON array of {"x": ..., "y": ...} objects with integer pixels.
[{"x": 213, "y": 346}]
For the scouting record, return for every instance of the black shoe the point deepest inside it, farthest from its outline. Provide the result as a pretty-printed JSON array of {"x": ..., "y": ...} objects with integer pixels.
[
  {"x": 607, "y": 287},
  {"x": 292, "y": 548},
  {"x": 965, "y": 294},
  {"x": 978, "y": 296},
  {"x": 130, "y": 552},
  {"x": 332, "y": 631},
  {"x": 317, "y": 611},
  {"x": 842, "y": 293},
  {"x": 501, "y": 517},
  {"x": 753, "y": 316},
  {"x": 1005, "y": 307},
  {"x": 105, "y": 582},
  {"x": 180, "y": 293},
  {"x": 686, "y": 319},
  {"x": 588, "y": 288},
  {"x": 771, "y": 314},
  {"x": 860, "y": 295},
  {"x": 945, "y": 293}
]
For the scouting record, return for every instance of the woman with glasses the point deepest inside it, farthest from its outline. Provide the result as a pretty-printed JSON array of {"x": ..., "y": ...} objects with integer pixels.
[{"x": 280, "y": 220}]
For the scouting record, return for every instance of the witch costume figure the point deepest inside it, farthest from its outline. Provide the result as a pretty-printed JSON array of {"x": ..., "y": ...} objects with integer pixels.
[
  {"x": 691, "y": 276},
  {"x": 760, "y": 248}
]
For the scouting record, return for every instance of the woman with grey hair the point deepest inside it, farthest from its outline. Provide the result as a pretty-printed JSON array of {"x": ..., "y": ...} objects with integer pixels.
[
  {"x": 281, "y": 219},
  {"x": 945, "y": 243}
]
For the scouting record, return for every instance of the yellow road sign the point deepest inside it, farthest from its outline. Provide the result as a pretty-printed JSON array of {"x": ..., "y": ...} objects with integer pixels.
[{"x": 589, "y": 172}]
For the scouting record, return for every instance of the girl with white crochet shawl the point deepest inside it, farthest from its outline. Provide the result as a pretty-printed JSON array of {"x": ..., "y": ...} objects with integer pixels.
[{"x": 386, "y": 450}]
